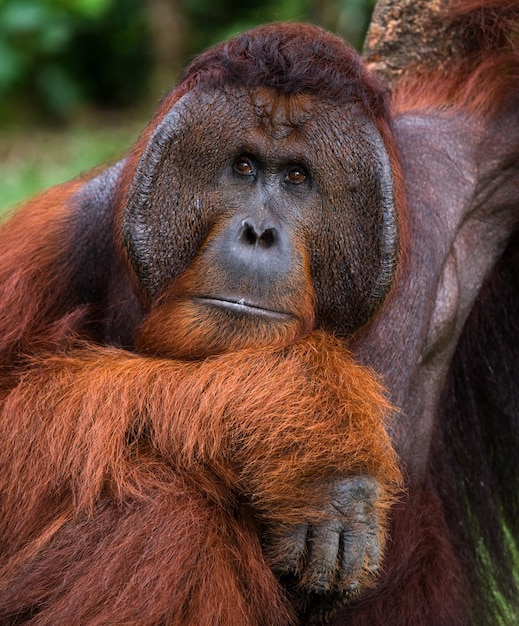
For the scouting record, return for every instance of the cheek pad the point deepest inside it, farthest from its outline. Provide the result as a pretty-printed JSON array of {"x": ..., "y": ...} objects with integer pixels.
[
  {"x": 354, "y": 241},
  {"x": 168, "y": 212}
]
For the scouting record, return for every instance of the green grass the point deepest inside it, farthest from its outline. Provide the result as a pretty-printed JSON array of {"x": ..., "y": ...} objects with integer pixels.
[{"x": 35, "y": 160}]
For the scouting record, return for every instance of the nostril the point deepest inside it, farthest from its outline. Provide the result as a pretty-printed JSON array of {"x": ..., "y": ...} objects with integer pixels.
[
  {"x": 252, "y": 236},
  {"x": 248, "y": 234},
  {"x": 267, "y": 238}
]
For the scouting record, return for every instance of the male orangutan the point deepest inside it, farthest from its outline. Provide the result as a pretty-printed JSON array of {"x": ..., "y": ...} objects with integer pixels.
[
  {"x": 192, "y": 430},
  {"x": 180, "y": 414}
]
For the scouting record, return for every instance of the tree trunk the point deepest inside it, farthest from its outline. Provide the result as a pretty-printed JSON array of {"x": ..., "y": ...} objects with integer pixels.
[
  {"x": 168, "y": 27},
  {"x": 406, "y": 33}
]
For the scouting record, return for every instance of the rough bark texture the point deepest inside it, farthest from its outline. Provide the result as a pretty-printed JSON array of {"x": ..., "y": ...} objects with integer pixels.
[{"x": 405, "y": 33}]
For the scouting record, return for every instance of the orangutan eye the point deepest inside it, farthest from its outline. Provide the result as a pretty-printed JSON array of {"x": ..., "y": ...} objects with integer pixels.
[
  {"x": 243, "y": 166},
  {"x": 296, "y": 175}
]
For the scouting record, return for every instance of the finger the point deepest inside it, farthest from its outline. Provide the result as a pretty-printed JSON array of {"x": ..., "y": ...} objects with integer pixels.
[
  {"x": 322, "y": 563},
  {"x": 354, "y": 539},
  {"x": 373, "y": 547}
]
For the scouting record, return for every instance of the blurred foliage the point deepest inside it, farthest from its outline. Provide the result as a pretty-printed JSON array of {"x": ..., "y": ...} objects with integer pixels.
[
  {"x": 41, "y": 158},
  {"x": 61, "y": 57},
  {"x": 348, "y": 18},
  {"x": 56, "y": 55}
]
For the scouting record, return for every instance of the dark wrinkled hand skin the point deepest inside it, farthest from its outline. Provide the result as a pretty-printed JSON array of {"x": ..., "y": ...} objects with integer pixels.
[{"x": 324, "y": 565}]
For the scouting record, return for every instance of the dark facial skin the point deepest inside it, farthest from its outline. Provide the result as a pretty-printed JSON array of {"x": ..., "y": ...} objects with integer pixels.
[{"x": 252, "y": 205}]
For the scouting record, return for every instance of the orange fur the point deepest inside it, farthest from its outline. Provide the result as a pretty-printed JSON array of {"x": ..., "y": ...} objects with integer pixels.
[
  {"x": 110, "y": 443},
  {"x": 29, "y": 271}
]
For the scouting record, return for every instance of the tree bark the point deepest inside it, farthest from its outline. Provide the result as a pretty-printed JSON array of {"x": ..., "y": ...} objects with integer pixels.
[{"x": 406, "y": 33}]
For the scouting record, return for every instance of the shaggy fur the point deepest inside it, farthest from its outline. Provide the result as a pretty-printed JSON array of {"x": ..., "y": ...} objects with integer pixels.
[
  {"x": 151, "y": 470},
  {"x": 140, "y": 477}
]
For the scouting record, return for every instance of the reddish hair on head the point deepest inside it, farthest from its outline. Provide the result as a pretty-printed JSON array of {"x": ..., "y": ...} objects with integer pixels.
[{"x": 291, "y": 58}]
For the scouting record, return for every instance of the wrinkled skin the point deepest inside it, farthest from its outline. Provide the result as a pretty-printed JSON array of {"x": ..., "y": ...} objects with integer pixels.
[{"x": 327, "y": 563}]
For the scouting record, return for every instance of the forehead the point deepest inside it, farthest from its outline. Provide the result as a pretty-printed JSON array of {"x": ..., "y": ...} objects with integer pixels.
[
  {"x": 278, "y": 115},
  {"x": 225, "y": 120},
  {"x": 275, "y": 113}
]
